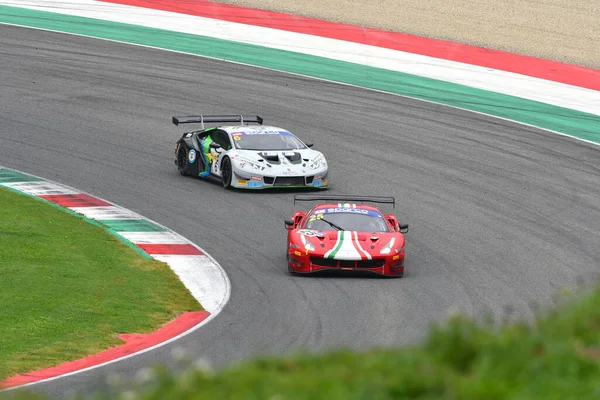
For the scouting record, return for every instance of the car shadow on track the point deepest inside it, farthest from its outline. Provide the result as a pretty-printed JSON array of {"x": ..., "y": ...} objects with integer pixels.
[
  {"x": 259, "y": 192},
  {"x": 353, "y": 274}
]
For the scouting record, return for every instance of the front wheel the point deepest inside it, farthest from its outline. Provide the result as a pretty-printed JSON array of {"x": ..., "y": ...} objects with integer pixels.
[
  {"x": 290, "y": 270},
  {"x": 227, "y": 173}
]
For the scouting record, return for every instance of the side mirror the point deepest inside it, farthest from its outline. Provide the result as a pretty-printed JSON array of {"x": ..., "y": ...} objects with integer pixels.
[
  {"x": 310, "y": 144},
  {"x": 289, "y": 224},
  {"x": 214, "y": 145},
  {"x": 403, "y": 228}
]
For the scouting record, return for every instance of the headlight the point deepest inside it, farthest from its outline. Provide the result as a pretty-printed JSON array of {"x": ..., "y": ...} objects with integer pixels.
[
  {"x": 388, "y": 247},
  {"x": 307, "y": 245},
  {"x": 318, "y": 162}
]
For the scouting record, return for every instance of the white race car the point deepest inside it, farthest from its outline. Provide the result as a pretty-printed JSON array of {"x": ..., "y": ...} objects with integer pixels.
[{"x": 248, "y": 156}]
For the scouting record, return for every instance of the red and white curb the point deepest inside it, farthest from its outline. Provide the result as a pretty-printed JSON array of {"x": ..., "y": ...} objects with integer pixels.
[{"x": 198, "y": 271}]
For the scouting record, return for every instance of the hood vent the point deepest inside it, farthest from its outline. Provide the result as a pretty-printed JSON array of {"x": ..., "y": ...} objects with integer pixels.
[
  {"x": 295, "y": 158},
  {"x": 269, "y": 157},
  {"x": 274, "y": 157}
]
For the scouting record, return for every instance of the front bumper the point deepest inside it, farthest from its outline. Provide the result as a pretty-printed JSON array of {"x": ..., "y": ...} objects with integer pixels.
[
  {"x": 307, "y": 263},
  {"x": 242, "y": 180}
]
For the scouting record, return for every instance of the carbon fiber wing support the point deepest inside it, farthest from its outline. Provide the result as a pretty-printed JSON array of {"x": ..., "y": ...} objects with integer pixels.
[
  {"x": 202, "y": 119},
  {"x": 345, "y": 198}
]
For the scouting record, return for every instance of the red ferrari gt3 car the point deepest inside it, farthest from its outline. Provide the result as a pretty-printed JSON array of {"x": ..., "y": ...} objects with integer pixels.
[{"x": 344, "y": 235}]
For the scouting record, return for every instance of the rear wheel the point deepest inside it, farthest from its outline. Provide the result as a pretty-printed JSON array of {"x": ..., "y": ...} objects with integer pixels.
[
  {"x": 182, "y": 159},
  {"x": 227, "y": 173}
]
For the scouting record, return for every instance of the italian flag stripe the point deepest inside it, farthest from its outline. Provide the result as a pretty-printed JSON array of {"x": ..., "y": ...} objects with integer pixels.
[
  {"x": 338, "y": 244},
  {"x": 364, "y": 255}
]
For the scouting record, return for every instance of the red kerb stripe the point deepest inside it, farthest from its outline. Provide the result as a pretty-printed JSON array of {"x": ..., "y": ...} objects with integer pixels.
[
  {"x": 75, "y": 200},
  {"x": 170, "y": 249},
  {"x": 525, "y": 65}
]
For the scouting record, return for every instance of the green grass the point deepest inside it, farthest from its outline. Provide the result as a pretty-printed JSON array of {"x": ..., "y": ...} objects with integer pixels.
[{"x": 68, "y": 288}]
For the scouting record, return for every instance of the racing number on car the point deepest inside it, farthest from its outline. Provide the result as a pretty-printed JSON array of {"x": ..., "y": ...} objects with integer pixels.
[
  {"x": 215, "y": 159},
  {"x": 315, "y": 217}
]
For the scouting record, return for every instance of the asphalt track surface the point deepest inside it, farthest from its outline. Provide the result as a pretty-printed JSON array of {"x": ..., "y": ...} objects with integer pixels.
[{"x": 500, "y": 214}]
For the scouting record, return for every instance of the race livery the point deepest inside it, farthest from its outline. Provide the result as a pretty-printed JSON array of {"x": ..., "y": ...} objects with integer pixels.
[
  {"x": 345, "y": 236},
  {"x": 248, "y": 156}
]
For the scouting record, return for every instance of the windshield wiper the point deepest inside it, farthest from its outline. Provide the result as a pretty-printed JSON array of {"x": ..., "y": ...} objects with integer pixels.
[{"x": 337, "y": 227}]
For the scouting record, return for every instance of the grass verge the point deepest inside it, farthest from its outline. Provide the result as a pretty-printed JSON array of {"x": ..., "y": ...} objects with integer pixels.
[{"x": 68, "y": 288}]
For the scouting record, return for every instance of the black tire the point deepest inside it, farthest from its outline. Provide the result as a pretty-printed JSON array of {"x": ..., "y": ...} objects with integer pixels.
[
  {"x": 227, "y": 173},
  {"x": 290, "y": 269},
  {"x": 182, "y": 159}
]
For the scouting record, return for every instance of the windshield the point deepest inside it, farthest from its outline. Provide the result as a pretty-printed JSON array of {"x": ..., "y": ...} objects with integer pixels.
[
  {"x": 266, "y": 140},
  {"x": 349, "y": 219}
]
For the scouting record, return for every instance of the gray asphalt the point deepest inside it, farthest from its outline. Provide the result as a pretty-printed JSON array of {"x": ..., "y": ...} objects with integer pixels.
[{"x": 500, "y": 214}]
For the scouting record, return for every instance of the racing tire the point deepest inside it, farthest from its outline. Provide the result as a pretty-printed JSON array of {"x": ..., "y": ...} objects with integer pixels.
[
  {"x": 290, "y": 270},
  {"x": 227, "y": 173},
  {"x": 182, "y": 160}
]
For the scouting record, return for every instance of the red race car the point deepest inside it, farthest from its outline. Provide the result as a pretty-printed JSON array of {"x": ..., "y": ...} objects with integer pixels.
[{"x": 343, "y": 235}]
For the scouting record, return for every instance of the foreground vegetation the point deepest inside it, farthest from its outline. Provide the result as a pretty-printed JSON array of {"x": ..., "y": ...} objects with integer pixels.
[
  {"x": 557, "y": 356},
  {"x": 68, "y": 288},
  {"x": 72, "y": 300}
]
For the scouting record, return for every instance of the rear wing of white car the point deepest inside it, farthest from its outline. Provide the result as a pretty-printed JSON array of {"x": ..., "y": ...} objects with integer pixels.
[
  {"x": 345, "y": 198},
  {"x": 202, "y": 119}
]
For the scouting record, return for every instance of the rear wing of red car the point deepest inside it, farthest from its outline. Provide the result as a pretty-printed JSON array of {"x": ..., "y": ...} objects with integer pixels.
[
  {"x": 202, "y": 119},
  {"x": 345, "y": 198}
]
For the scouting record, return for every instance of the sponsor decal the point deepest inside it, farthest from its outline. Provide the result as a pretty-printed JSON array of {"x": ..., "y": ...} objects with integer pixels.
[
  {"x": 348, "y": 210},
  {"x": 188, "y": 135},
  {"x": 255, "y": 184},
  {"x": 256, "y": 178},
  {"x": 310, "y": 232},
  {"x": 242, "y": 182},
  {"x": 353, "y": 211},
  {"x": 211, "y": 157},
  {"x": 192, "y": 156},
  {"x": 262, "y": 132},
  {"x": 318, "y": 178},
  {"x": 317, "y": 182}
]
